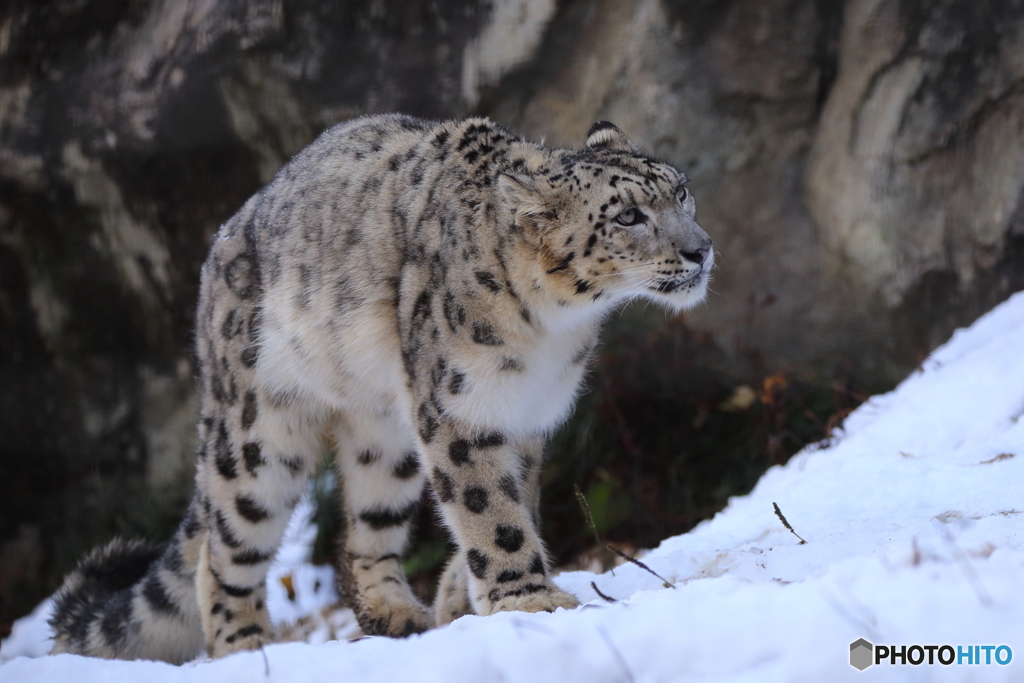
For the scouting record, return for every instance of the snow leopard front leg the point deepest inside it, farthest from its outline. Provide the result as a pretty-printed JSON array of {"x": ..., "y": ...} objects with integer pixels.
[
  {"x": 380, "y": 485},
  {"x": 478, "y": 478},
  {"x": 453, "y": 599}
]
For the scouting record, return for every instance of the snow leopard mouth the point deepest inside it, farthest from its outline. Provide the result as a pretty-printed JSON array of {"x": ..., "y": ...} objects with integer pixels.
[{"x": 675, "y": 284}]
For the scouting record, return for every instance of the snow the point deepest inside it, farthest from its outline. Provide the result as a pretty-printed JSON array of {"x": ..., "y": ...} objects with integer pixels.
[{"x": 912, "y": 517}]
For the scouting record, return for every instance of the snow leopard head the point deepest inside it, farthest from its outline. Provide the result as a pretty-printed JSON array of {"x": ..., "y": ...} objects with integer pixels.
[{"x": 609, "y": 222}]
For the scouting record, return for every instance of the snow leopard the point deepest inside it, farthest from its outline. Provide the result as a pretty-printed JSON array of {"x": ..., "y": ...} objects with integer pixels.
[{"x": 421, "y": 298}]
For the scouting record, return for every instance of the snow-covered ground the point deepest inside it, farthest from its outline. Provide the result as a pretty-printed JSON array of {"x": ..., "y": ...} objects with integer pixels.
[{"x": 912, "y": 518}]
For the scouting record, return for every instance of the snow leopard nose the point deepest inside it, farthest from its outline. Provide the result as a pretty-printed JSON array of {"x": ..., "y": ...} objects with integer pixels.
[{"x": 698, "y": 256}]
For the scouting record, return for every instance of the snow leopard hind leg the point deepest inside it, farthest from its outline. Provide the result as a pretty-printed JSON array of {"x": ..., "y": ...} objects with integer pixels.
[
  {"x": 136, "y": 600},
  {"x": 258, "y": 447}
]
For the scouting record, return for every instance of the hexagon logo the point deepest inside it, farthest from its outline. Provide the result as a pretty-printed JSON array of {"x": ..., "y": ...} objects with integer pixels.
[{"x": 862, "y": 654}]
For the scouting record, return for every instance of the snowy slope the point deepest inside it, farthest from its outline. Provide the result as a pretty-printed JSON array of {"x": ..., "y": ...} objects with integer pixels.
[{"x": 913, "y": 522}]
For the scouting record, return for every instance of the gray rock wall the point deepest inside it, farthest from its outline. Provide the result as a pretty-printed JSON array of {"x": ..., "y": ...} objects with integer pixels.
[{"x": 860, "y": 166}]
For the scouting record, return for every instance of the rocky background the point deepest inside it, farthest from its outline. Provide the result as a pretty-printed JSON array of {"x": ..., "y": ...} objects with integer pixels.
[{"x": 860, "y": 165}]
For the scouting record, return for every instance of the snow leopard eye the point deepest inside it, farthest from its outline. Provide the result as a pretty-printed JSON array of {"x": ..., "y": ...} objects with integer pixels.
[
  {"x": 683, "y": 195},
  {"x": 631, "y": 216}
]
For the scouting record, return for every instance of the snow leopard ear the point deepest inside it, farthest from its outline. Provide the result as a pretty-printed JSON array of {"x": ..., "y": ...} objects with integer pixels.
[
  {"x": 606, "y": 135},
  {"x": 521, "y": 195}
]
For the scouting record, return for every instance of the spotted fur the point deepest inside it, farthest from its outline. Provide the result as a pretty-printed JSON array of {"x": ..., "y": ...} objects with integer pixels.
[{"x": 423, "y": 297}]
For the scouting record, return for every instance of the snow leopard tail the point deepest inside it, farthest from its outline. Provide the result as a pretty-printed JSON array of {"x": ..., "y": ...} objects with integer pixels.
[{"x": 129, "y": 600}]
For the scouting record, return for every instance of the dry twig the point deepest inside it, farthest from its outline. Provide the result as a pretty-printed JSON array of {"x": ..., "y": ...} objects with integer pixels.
[
  {"x": 782, "y": 518},
  {"x": 266, "y": 662},
  {"x": 600, "y": 594},
  {"x": 582, "y": 500},
  {"x": 630, "y": 558}
]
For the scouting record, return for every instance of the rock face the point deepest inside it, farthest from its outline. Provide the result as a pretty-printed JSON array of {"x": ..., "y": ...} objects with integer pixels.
[
  {"x": 860, "y": 166},
  {"x": 915, "y": 175}
]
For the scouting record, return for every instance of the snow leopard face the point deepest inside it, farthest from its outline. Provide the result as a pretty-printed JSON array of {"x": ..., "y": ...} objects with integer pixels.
[{"x": 611, "y": 223}]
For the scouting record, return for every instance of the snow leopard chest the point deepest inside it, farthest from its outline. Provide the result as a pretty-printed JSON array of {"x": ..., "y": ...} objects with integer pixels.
[{"x": 523, "y": 388}]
